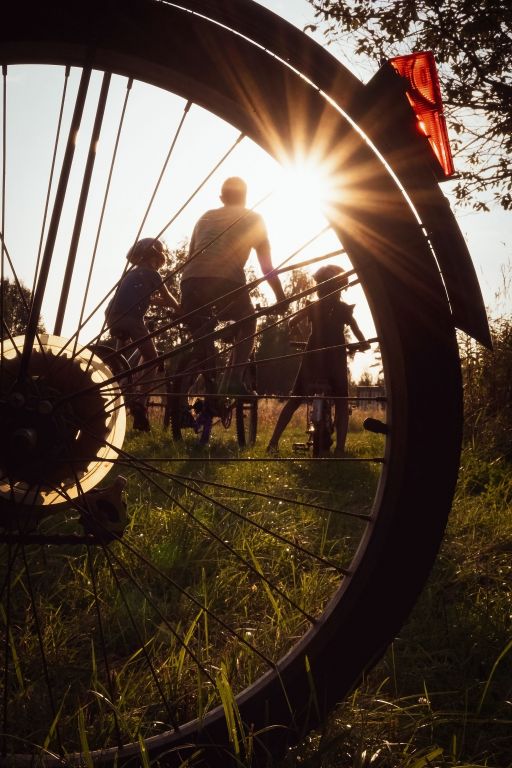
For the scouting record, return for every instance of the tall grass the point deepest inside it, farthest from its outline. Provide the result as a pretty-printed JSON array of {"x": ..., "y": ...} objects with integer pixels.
[{"x": 128, "y": 625}]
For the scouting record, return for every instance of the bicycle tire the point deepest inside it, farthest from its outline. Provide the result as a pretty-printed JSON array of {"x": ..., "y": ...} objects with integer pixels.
[
  {"x": 178, "y": 408},
  {"x": 246, "y": 416},
  {"x": 322, "y": 440},
  {"x": 173, "y": 409},
  {"x": 116, "y": 361},
  {"x": 420, "y": 361}
]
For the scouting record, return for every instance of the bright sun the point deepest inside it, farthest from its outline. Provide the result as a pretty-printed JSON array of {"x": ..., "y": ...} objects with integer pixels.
[{"x": 306, "y": 187}]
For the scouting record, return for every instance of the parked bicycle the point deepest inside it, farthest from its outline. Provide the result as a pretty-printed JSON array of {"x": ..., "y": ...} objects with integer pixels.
[
  {"x": 320, "y": 406},
  {"x": 193, "y": 399}
]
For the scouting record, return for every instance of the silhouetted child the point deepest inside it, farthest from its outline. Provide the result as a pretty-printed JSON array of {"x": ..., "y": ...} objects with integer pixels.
[
  {"x": 138, "y": 288},
  {"x": 324, "y": 366}
]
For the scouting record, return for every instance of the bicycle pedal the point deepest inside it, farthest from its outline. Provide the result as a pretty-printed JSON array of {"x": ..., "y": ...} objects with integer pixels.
[
  {"x": 376, "y": 426},
  {"x": 187, "y": 420},
  {"x": 105, "y": 514}
]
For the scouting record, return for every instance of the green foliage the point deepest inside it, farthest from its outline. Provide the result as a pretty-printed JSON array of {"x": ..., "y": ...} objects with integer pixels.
[
  {"x": 488, "y": 393},
  {"x": 15, "y": 300},
  {"x": 365, "y": 379},
  {"x": 274, "y": 344},
  {"x": 159, "y": 317},
  {"x": 471, "y": 44}
]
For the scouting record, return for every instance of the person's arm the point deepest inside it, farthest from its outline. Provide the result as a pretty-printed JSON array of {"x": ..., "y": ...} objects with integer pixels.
[
  {"x": 162, "y": 297},
  {"x": 265, "y": 260},
  {"x": 299, "y": 317},
  {"x": 358, "y": 334}
]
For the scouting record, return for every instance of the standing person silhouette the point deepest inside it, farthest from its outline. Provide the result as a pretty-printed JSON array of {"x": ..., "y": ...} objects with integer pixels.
[
  {"x": 221, "y": 243},
  {"x": 324, "y": 365}
]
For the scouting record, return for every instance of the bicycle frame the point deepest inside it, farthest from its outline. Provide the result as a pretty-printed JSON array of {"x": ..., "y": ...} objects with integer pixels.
[{"x": 209, "y": 407}]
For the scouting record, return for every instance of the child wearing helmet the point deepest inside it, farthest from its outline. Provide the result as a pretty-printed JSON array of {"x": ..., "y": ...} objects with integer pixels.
[
  {"x": 324, "y": 365},
  {"x": 139, "y": 287}
]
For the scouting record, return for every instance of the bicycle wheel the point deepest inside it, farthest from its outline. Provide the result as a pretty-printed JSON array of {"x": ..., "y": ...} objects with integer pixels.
[
  {"x": 117, "y": 363},
  {"x": 246, "y": 415},
  {"x": 211, "y": 607},
  {"x": 186, "y": 408},
  {"x": 322, "y": 426}
]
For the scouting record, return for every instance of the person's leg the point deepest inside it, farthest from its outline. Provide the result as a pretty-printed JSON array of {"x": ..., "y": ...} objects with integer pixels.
[
  {"x": 127, "y": 328},
  {"x": 242, "y": 350},
  {"x": 144, "y": 379},
  {"x": 235, "y": 304},
  {"x": 341, "y": 425},
  {"x": 339, "y": 385},
  {"x": 195, "y": 294},
  {"x": 135, "y": 329},
  {"x": 283, "y": 420}
]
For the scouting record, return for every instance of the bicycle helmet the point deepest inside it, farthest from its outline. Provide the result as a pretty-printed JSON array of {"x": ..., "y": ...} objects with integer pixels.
[
  {"x": 330, "y": 272},
  {"x": 143, "y": 249}
]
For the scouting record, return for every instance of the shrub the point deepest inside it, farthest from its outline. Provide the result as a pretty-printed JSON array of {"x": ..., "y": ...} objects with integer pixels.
[{"x": 487, "y": 376}]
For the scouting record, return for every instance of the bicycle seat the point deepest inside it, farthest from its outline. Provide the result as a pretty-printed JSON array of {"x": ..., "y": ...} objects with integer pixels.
[
  {"x": 122, "y": 339},
  {"x": 200, "y": 324}
]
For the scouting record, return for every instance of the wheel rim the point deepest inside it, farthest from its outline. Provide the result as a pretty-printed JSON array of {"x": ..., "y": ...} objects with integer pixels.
[{"x": 358, "y": 549}]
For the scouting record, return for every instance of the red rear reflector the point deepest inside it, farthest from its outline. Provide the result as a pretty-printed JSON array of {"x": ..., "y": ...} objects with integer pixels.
[{"x": 424, "y": 93}]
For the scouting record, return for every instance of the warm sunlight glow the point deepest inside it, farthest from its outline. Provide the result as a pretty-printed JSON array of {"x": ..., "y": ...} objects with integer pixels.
[{"x": 306, "y": 188}]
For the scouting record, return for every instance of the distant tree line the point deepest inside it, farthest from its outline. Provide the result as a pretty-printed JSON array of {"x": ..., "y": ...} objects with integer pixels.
[{"x": 15, "y": 308}]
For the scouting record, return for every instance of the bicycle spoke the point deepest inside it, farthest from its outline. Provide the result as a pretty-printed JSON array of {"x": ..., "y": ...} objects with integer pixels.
[
  {"x": 50, "y": 179},
  {"x": 44, "y": 661},
  {"x": 37, "y": 299},
  {"x": 6, "y": 617},
  {"x": 269, "y": 496},
  {"x": 84, "y": 193},
  {"x": 108, "y": 671},
  {"x": 201, "y": 185},
  {"x": 181, "y": 481},
  {"x": 148, "y": 208},
  {"x": 22, "y": 300},
  {"x": 211, "y": 533},
  {"x": 2, "y": 214},
  {"x": 149, "y": 662}
]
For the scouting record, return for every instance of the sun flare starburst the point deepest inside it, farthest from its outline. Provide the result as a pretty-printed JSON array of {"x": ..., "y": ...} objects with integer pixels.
[{"x": 307, "y": 187}]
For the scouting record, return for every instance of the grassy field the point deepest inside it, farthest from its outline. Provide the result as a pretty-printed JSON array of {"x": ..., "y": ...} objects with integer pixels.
[
  {"x": 127, "y": 627},
  {"x": 441, "y": 696}
]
